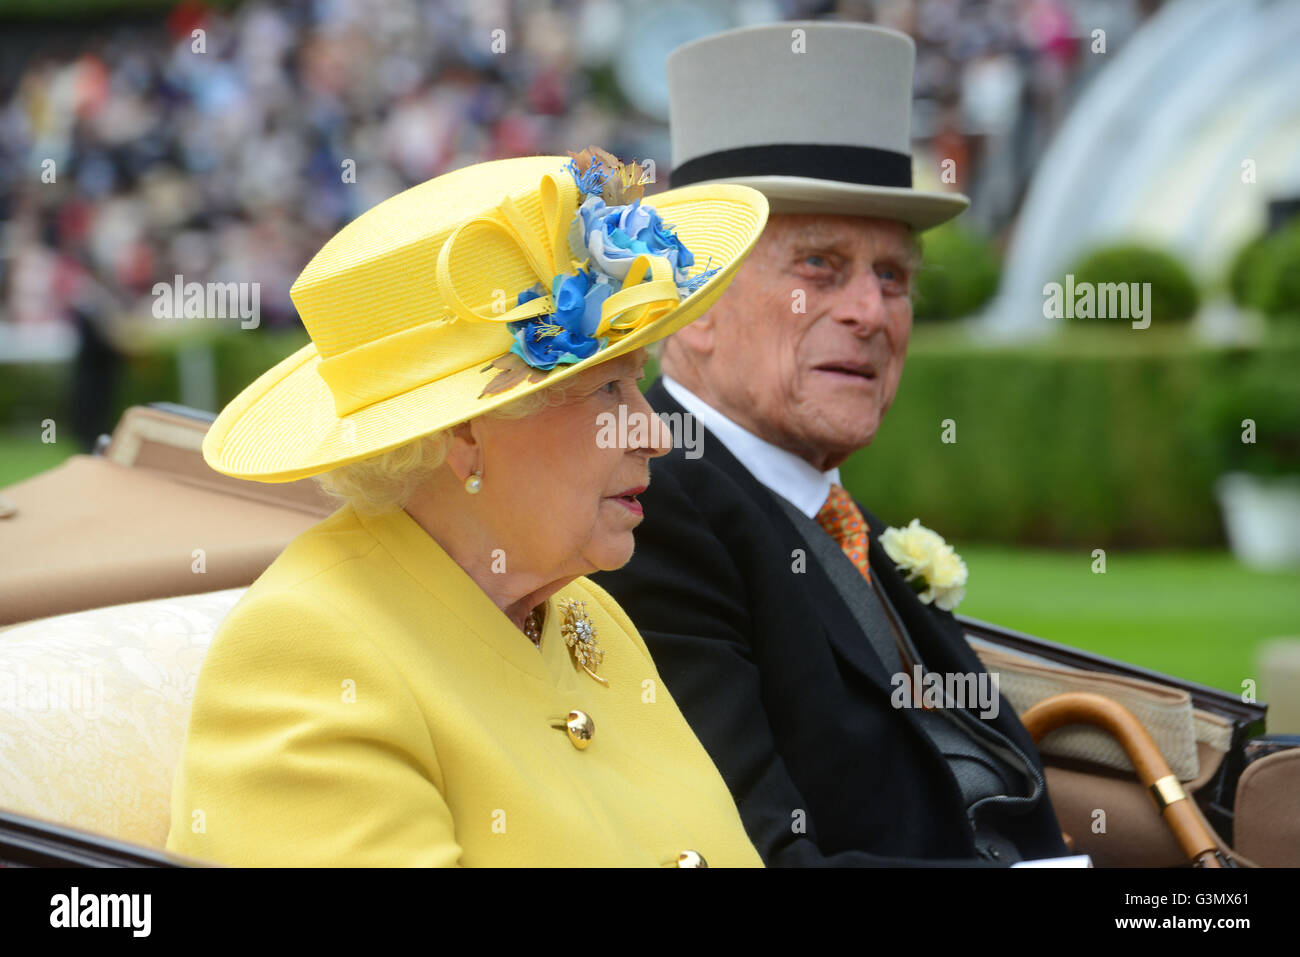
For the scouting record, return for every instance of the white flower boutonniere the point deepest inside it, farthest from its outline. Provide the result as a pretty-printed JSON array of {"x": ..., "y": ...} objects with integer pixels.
[{"x": 935, "y": 572}]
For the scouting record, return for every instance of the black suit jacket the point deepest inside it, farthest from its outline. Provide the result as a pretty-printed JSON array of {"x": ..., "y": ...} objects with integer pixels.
[{"x": 782, "y": 687}]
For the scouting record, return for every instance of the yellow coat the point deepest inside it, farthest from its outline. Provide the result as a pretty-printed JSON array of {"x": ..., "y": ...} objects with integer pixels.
[{"x": 366, "y": 704}]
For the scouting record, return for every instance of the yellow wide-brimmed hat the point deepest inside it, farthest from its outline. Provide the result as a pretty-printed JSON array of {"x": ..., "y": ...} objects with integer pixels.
[{"x": 417, "y": 319}]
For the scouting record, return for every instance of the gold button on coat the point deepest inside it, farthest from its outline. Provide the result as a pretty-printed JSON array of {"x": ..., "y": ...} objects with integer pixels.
[
  {"x": 691, "y": 859},
  {"x": 581, "y": 729}
]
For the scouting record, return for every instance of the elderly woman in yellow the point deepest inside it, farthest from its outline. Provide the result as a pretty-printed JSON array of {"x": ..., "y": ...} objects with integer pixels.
[{"x": 426, "y": 677}]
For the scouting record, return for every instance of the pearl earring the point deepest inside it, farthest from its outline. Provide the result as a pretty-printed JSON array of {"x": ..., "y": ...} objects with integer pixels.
[{"x": 474, "y": 482}]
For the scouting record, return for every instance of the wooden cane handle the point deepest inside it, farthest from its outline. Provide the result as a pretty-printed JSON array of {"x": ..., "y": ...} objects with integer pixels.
[{"x": 1081, "y": 707}]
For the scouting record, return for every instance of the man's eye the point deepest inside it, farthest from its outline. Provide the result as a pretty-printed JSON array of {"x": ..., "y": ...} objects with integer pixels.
[
  {"x": 817, "y": 261},
  {"x": 610, "y": 387},
  {"x": 895, "y": 277}
]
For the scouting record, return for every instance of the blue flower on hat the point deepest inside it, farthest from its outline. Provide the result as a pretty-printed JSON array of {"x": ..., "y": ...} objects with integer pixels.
[
  {"x": 592, "y": 179},
  {"x": 612, "y": 237},
  {"x": 616, "y": 235},
  {"x": 568, "y": 334}
]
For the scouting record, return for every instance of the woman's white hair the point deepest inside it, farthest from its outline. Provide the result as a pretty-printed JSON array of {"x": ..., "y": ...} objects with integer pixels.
[{"x": 387, "y": 481}]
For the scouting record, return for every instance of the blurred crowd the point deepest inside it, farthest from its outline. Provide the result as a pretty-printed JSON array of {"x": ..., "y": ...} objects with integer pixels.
[{"x": 138, "y": 152}]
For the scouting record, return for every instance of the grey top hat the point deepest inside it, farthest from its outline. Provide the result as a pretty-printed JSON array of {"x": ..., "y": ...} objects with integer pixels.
[{"x": 817, "y": 121}]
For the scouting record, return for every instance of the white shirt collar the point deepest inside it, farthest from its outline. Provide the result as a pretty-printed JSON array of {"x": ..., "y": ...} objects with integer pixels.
[{"x": 781, "y": 471}]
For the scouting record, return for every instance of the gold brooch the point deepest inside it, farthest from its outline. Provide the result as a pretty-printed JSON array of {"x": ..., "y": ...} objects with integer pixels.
[{"x": 580, "y": 636}]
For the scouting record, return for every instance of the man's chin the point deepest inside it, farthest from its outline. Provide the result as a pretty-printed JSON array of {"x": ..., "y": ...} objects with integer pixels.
[
  {"x": 837, "y": 444},
  {"x": 836, "y": 390}
]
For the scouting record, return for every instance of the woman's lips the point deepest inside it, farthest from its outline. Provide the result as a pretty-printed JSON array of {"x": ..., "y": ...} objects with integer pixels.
[
  {"x": 628, "y": 500},
  {"x": 631, "y": 504}
]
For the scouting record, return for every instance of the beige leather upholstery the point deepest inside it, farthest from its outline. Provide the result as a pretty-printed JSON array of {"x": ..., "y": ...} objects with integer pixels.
[
  {"x": 93, "y": 710},
  {"x": 1267, "y": 820},
  {"x": 148, "y": 519}
]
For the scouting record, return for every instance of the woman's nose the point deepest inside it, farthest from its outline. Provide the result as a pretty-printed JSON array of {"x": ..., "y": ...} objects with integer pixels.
[{"x": 658, "y": 435}]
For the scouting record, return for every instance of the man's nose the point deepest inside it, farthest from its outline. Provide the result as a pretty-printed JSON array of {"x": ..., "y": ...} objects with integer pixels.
[
  {"x": 656, "y": 438},
  {"x": 863, "y": 304}
]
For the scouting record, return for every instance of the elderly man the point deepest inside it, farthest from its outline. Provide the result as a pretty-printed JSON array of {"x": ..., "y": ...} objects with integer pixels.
[{"x": 782, "y": 628}]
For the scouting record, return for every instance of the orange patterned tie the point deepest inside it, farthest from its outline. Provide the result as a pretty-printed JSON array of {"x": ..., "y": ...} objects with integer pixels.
[{"x": 844, "y": 523}]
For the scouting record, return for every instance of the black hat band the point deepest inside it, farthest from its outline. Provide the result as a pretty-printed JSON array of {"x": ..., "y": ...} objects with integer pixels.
[{"x": 865, "y": 165}]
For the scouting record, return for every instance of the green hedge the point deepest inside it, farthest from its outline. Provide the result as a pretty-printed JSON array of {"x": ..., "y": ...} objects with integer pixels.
[
  {"x": 1174, "y": 297},
  {"x": 1088, "y": 450},
  {"x": 958, "y": 275},
  {"x": 1241, "y": 277},
  {"x": 1277, "y": 275},
  {"x": 1265, "y": 273}
]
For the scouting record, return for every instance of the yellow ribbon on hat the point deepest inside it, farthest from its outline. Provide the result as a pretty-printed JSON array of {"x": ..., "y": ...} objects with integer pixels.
[
  {"x": 541, "y": 253},
  {"x": 401, "y": 361},
  {"x": 637, "y": 303}
]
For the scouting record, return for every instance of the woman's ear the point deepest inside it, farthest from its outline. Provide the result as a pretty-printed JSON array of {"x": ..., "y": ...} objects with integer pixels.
[{"x": 465, "y": 455}]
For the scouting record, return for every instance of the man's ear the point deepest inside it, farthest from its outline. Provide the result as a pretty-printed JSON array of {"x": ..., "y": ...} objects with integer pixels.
[
  {"x": 698, "y": 336},
  {"x": 466, "y": 451}
]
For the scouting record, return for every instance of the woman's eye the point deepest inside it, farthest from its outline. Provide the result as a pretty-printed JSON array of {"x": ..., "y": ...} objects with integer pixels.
[
  {"x": 817, "y": 261},
  {"x": 610, "y": 387}
]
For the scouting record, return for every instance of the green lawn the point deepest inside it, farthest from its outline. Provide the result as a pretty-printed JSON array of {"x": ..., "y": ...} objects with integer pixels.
[{"x": 1197, "y": 615}]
